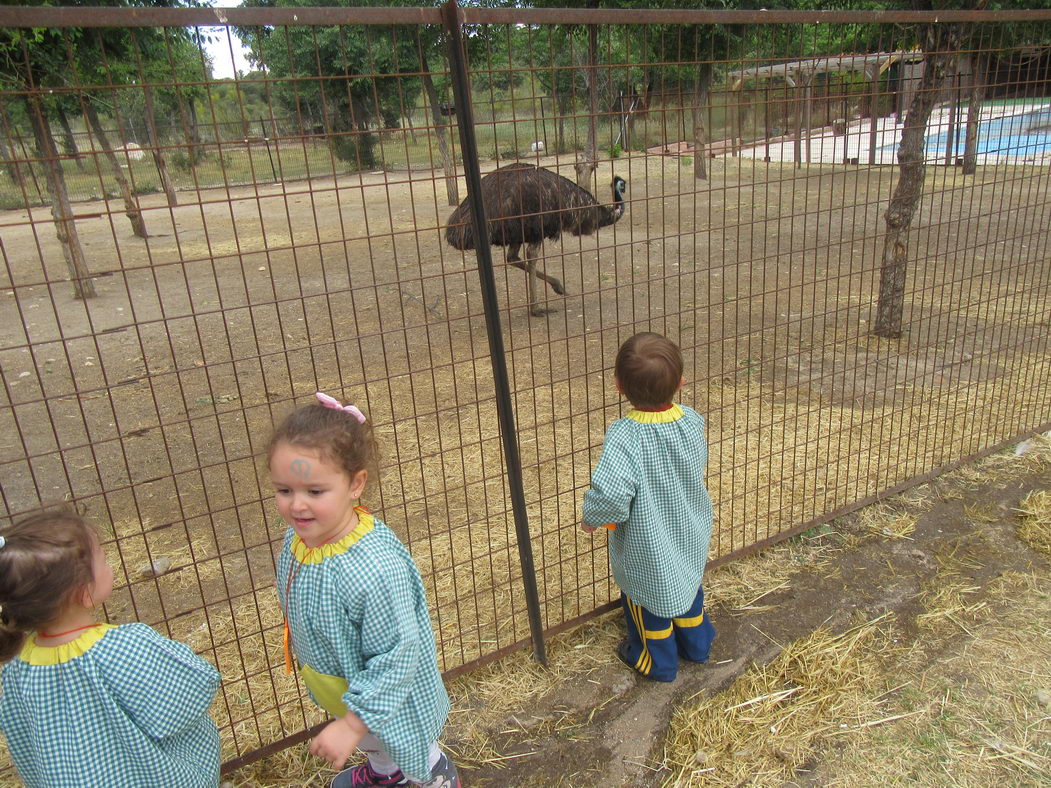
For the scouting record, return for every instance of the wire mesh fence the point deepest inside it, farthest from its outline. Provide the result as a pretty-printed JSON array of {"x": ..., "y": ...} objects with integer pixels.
[{"x": 187, "y": 257}]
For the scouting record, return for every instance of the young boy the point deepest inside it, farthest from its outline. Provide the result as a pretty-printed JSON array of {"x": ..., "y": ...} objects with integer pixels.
[{"x": 649, "y": 483}]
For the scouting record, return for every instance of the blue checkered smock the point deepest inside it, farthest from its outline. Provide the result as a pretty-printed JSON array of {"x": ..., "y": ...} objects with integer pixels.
[
  {"x": 118, "y": 706},
  {"x": 362, "y": 636},
  {"x": 650, "y": 482}
]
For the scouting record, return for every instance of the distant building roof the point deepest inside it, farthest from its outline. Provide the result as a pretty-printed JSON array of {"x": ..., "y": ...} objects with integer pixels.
[{"x": 819, "y": 65}]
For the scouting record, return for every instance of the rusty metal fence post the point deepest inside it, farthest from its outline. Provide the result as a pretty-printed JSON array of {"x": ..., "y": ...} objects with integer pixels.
[{"x": 505, "y": 408}]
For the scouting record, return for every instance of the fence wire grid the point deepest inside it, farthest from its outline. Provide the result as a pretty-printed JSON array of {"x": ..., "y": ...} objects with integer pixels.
[{"x": 187, "y": 257}]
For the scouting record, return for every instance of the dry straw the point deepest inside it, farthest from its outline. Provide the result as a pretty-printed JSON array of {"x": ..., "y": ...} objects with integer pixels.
[
  {"x": 770, "y": 721},
  {"x": 887, "y": 521},
  {"x": 975, "y": 707},
  {"x": 1035, "y": 526}
]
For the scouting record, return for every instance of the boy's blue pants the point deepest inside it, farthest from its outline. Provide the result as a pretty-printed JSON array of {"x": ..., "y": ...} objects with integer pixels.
[{"x": 655, "y": 643}]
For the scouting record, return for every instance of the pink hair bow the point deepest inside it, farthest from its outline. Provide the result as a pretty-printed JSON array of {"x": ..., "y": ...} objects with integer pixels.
[{"x": 335, "y": 404}]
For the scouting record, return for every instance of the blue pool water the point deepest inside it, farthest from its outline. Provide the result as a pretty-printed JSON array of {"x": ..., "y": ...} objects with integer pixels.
[{"x": 1017, "y": 135}]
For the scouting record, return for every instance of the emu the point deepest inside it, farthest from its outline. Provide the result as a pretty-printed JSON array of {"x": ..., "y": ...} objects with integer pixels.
[{"x": 524, "y": 204}]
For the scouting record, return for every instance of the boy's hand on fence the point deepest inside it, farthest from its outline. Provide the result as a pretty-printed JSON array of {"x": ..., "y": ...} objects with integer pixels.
[
  {"x": 338, "y": 740},
  {"x": 588, "y": 529}
]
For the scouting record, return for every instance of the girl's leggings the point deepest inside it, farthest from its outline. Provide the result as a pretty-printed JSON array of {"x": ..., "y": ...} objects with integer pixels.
[{"x": 381, "y": 760}]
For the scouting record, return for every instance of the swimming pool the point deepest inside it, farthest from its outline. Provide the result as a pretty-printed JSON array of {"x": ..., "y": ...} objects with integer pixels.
[
  {"x": 1018, "y": 136},
  {"x": 1009, "y": 133}
]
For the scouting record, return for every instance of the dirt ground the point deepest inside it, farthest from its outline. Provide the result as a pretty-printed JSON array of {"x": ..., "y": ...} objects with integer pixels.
[{"x": 150, "y": 403}]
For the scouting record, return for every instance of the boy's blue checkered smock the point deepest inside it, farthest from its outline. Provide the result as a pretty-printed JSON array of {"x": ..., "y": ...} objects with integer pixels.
[
  {"x": 650, "y": 482},
  {"x": 362, "y": 636},
  {"x": 118, "y": 706}
]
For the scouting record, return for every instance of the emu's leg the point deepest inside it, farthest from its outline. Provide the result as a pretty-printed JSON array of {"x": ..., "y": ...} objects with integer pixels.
[
  {"x": 533, "y": 253},
  {"x": 530, "y": 267},
  {"x": 527, "y": 266},
  {"x": 534, "y": 300}
]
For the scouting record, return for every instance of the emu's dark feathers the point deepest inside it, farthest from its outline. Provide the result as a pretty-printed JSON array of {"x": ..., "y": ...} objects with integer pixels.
[{"x": 526, "y": 204}]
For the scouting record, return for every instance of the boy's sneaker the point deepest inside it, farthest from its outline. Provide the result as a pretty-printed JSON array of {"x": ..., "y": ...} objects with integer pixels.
[
  {"x": 623, "y": 656},
  {"x": 444, "y": 774},
  {"x": 364, "y": 776}
]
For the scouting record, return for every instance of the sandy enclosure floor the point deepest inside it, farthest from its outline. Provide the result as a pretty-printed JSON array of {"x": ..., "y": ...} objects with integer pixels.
[{"x": 151, "y": 403}]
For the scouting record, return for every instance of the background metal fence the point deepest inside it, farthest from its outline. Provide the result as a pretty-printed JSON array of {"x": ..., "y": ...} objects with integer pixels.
[{"x": 253, "y": 239}]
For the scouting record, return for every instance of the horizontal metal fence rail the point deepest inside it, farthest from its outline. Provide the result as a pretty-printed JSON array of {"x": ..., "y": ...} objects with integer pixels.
[
  {"x": 13, "y": 16},
  {"x": 171, "y": 285}
]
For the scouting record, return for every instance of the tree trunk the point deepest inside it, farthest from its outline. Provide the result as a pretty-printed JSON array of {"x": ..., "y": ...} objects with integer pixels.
[
  {"x": 587, "y": 162},
  {"x": 452, "y": 189},
  {"x": 155, "y": 149},
  {"x": 26, "y": 156},
  {"x": 70, "y": 140},
  {"x": 701, "y": 89},
  {"x": 131, "y": 207},
  {"x": 61, "y": 211},
  {"x": 808, "y": 107},
  {"x": 623, "y": 113},
  {"x": 560, "y": 125},
  {"x": 952, "y": 131},
  {"x": 629, "y": 121},
  {"x": 196, "y": 152},
  {"x": 979, "y": 78},
  {"x": 14, "y": 169},
  {"x": 873, "y": 75},
  {"x": 275, "y": 132},
  {"x": 797, "y": 111},
  {"x": 941, "y": 42}
]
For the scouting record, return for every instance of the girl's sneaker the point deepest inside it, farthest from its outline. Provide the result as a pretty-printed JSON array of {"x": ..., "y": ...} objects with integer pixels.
[
  {"x": 443, "y": 775},
  {"x": 364, "y": 776}
]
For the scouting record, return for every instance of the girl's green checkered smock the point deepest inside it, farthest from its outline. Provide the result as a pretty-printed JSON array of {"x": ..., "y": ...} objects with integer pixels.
[
  {"x": 118, "y": 706},
  {"x": 362, "y": 636},
  {"x": 650, "y": 482}
]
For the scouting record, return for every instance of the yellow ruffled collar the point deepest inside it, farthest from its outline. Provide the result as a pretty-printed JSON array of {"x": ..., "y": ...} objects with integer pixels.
[
  {"x": 315, "y": 555},
  {"x": 674, "y": 413},
  {"x": 56, "y": 655}
]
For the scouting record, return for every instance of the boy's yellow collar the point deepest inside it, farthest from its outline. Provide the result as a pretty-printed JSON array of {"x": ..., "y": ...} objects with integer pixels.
[
  {"x": 315, "y": 555},
  {"x": 674, "y": 413}
]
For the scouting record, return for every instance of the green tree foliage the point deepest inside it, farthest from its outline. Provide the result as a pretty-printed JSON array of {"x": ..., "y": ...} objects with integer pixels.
[
  {"x": 68, "y": 61},
  {"x": 52, "y": 70},
  {"x": 240, "y": 107},
  {"x": 343, "y": 81},
  {"x": 30, "y": 62}
]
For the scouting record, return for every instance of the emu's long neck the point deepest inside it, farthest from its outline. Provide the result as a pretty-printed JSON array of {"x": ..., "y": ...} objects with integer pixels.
[{"x": 612, "y": 213}]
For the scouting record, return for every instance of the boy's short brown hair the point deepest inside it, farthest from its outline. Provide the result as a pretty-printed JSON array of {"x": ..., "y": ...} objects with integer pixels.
[{"x": 649, "y": 370}]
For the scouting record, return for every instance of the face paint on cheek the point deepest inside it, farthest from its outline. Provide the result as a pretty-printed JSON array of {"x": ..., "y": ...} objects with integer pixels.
[{"x": 301, "y": 468}]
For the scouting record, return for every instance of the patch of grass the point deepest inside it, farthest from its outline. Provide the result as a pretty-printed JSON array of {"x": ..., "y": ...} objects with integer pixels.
[
  {"x": 816, "y": 532},
  {"x": 748, "y": 366},
  {"x": 11, "y": 202}
]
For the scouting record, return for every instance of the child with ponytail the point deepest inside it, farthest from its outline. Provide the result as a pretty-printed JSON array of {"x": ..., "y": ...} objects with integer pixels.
[
  {"x": 355, "y": 613},
  {"x": 86, "y": 703}
]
